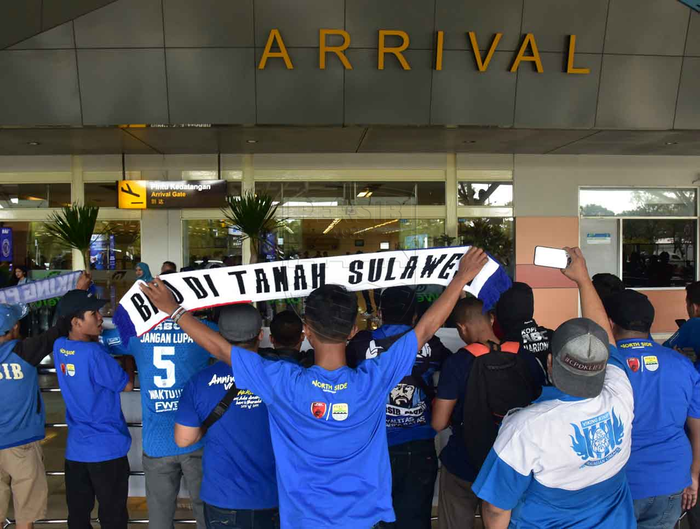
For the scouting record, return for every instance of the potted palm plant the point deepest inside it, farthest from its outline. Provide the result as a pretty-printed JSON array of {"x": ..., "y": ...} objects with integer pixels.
[
  {"x": 73, "y": 228},
  {"x": 255, "y": 216}
]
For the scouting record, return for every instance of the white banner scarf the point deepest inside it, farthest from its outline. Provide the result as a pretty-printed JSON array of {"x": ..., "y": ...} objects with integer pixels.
[
  {"x": 52, "y": 287},
  {"x": 202, "y": 289}
]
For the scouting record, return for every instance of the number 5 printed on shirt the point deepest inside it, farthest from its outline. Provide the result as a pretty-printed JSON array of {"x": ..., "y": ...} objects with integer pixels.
[{"x": 161, "y": 363}]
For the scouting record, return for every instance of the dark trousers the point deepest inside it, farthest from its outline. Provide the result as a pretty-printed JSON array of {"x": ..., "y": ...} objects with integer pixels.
[
  {"x": 218, "y": 518},
  {"x": 109, "y": 482},
  {"x": 414, "y": 467}
]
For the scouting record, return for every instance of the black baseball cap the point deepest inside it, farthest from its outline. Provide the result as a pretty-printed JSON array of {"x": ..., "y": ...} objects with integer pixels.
[
  {"x": 580, "y": 352},
  {"x": 239, "y": 323},
  {"x": 630, "y": 310},
  {"x": 76, "y": 301},
  {"x": 516, "y": 305}
]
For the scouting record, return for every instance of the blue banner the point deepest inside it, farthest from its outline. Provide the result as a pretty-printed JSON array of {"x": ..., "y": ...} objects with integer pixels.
[{"x": 6, "y": 246}]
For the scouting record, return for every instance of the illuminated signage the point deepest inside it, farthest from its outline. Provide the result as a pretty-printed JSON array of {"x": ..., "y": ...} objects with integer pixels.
[
  {"x": 528, "y": 52},
  {"x": 158, "y": 194}
]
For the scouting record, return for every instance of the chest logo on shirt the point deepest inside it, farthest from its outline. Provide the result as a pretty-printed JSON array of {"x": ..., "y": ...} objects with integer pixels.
[
  {"x": 598, "y": 439},
  {"x": 339, "y": 411},
  {"x": 633, "y": 364},
  {"x": 318, "y": 409},
  {"x": 70, "y": 370},
  {"x": 651, "y": 363},
  {"x": 63, "y": 368}
]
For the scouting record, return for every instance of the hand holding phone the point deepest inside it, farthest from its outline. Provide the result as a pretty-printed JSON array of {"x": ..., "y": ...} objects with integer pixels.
[{"x": 551, "y": 257}]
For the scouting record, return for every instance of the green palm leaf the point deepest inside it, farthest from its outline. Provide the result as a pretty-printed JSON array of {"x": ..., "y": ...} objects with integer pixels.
[
  {"x": 73, "y": 227},
  {"x": 254, "y": 215}
]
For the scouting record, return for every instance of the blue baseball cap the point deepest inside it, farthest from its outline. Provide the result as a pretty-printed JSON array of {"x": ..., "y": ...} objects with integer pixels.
[{"x": 10, "y": 315}]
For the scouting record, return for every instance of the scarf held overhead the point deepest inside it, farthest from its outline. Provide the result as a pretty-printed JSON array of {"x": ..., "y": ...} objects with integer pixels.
[
  {"x": 52, "y": 287},
  {"x": 298, "y": 278}
]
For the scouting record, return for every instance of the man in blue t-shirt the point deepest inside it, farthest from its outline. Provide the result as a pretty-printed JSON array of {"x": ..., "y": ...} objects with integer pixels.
[
  {"x": 98, "y": 437},
  {"x": 410, "y": 437},
  {"x": 239, "y": 488},
  {"x": 560, "y": 462},
  {"x": 687, "y": 338},
  {"x": 328, "y": 422},
  {"x": 22, "y": 416},
  {"x": 664, "y": 466},
  {"x": 457, "y": 502},
  {"x": 166, "y": 359}
]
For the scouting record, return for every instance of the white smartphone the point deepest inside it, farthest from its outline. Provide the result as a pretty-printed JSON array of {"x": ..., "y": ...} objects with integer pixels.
[{"x": 551, "y": 257}]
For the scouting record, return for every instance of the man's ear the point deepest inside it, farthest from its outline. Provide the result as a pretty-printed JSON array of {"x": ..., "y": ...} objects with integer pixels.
[
  {"x": 261, "y": 335},
  {"x": 549, "y": 362},
  {"x": 355, "y": 329}
]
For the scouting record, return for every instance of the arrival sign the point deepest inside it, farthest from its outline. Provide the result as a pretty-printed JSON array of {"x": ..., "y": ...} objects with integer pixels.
[{"x": 160, "y": 194}]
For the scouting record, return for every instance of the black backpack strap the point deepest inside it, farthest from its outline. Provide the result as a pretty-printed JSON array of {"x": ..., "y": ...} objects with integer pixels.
[{"x": 221, "y": 408}]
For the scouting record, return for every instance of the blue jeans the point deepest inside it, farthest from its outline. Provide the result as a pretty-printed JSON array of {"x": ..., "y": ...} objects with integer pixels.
[
  {"x": 217, "y": 518},
  {"x": 658, "y": 512}
]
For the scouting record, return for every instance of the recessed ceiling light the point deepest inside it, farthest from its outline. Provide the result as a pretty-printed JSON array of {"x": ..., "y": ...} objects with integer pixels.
[
  {"x": 671, "y": 143},
  {"x": 33, "y": 143},
  {"x": 251, "y": 141}
]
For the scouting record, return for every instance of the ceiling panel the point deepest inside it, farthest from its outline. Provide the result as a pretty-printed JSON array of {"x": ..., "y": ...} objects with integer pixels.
[
  {"x": 471, "y": 140},
  {"x": 668, "y": 143},
  {"x": 274, "y": 139},
  {"x": 364, "y": 19},
  {"x": 123, "y": 24},
  {"x": 69, "y": 141},
  {"x": 651, "y": 27},
  {"x": 60, "y": 37},
  {"x": 457, "y": 17},
  {"x": 552, "y": 21}
]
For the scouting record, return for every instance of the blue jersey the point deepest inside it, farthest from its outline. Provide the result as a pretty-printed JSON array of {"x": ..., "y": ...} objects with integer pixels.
[
  {"x": 91, "y": 381},
  {"x": 238, "y": 463},
  {"x": 166, "y": 358},
  {"x": 666, "y": 392},
  {"x": 560, "y": 461},
  {"x": 22, "y": 415},
  {"x": 409, "y": 404},
  {"x": 687, "y": 337},
  {"x": 329, "y": 434}
]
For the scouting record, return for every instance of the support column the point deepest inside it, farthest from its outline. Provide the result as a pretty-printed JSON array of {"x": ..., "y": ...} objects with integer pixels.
[
  {"x": 247, "y": 184},
  {"x": 77, "y": 195},
  {"x": 451, "y": 228}
]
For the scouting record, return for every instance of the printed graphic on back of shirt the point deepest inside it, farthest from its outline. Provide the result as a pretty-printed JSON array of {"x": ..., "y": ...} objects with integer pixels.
[
  {"x": 245, "y": 399},
  {"x": 598, "y": 440}
]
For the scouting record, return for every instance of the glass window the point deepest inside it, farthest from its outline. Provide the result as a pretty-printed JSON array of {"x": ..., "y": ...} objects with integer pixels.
[
  {"x": 359, "y": 193},
  {"x": 34, "y": 195},
  {"x": 485, "y": 194},
  {"x": 658, "y": 252},
  {"x": 638, "y": 202},
  {"x": 116, "y": 248},
  {"x": 209, "y": 243},
  {"x": 103, "y": 195},
  {"x": 495, "y": 235}
]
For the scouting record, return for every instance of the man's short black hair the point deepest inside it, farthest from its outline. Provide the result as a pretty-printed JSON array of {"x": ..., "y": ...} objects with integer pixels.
[
  {"x": 693, "y": 292},
  {"x": 169, "y": 264},
  {"x": 286, "y": 328},
  {"x": 331, "y": 312},
  {"x": 467, "y": 309},
  {"x": 398, "y": 305},
  {"x": 607, "y": 284}
]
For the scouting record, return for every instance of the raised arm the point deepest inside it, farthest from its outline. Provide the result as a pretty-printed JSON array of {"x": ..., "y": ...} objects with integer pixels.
[
  {"x": 205, "y": 337},
  {"x": 469, "y": 266},
  {"x": 591, "y": 305}
]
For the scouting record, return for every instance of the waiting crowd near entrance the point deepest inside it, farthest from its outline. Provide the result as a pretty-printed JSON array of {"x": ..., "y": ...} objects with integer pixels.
[{"x": 593, "y": 425}]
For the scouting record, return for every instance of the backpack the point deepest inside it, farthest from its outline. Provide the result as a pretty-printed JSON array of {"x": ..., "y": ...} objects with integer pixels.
[{"x": 499, "y": 381}]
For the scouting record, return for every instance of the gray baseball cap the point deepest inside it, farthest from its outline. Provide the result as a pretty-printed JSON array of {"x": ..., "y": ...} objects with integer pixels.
[
  {"x": 239, "y": 323},
  {"x": 580, "y": 350}
]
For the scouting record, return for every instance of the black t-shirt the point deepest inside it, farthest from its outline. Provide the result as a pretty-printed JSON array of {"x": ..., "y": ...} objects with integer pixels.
[
  {"x": 34, "y": 349},
  {"x": 533, "y": 338}
]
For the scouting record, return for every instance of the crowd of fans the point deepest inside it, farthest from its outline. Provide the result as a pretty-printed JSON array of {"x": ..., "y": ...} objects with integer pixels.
[{"x": 591, "y": 425}]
